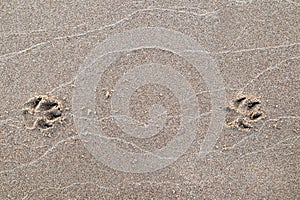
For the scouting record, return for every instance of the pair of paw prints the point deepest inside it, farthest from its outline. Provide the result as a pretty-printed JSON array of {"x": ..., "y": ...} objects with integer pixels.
[
  {"x": 42, "y": 112},
  {"x": 244, "y": 112}
]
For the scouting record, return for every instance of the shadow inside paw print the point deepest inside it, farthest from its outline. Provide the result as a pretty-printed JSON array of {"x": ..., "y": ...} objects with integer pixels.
[
  {"x": 245, "y": 104},
  {"x": 42, "y": 112},
  {"x": 243, "y": 112}
]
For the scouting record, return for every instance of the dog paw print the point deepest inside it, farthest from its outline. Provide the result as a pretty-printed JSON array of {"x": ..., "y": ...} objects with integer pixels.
[
  {"x": 244, "y": 112},
  {"x": 42, "y": 112}
]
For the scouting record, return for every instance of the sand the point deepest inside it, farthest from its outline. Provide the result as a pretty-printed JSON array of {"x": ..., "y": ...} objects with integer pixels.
[{"x": 150, "y": 100}]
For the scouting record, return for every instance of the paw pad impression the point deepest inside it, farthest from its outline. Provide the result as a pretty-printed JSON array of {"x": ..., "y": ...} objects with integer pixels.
[
  {"x": 244, "y": 112},
  {"x": 42, "y": 112}
]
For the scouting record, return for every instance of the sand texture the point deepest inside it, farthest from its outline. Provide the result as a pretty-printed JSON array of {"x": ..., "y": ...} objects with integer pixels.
[{"x": 150, "y": 99}]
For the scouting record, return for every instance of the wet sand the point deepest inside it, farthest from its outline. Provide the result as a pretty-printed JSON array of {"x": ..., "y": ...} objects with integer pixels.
[{"x": 220, "y": 76}]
